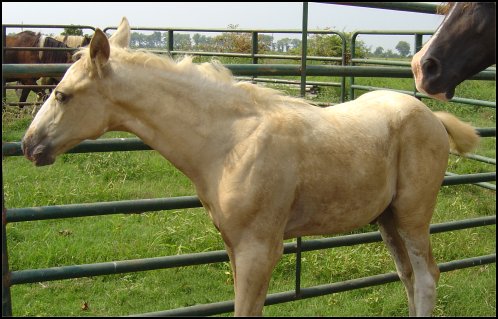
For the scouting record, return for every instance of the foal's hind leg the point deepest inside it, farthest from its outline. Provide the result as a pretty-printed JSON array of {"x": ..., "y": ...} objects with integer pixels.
[
  {"x": 422, "y": 161},
  {"x": 425, "y": 269},
  {"x": 398, "y": 251},
  {"x": 412, "y": 225}
]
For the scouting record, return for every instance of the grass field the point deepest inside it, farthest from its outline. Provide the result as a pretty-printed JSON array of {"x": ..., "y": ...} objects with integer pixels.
[{"x": 86, "y": 178}]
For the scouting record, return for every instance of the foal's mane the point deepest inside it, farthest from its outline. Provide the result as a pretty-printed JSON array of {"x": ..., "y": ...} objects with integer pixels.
[{"x": 212, "y": 71}]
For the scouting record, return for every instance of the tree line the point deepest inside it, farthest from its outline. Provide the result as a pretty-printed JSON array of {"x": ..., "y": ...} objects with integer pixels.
[
  {"x": 241, "y": 42},
  {"x": 328, "y": 45}
]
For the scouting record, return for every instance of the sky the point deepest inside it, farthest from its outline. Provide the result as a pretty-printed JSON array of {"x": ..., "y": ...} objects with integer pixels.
[{"x": 247, "y": 15}]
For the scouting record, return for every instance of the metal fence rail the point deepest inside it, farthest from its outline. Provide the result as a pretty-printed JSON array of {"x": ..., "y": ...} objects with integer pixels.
[
  {"x": 156, "y": 204},
  {"x": 316, "y": 291},
  {"x": 145, "y": 264},
  {"x": 12, "y": 70}
]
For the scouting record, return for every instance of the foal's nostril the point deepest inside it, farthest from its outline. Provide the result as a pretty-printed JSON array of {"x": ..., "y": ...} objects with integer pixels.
[{"x": 431, "y": 66}]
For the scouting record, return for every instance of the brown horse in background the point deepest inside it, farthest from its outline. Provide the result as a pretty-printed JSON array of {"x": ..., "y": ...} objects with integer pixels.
[
  {"x": 22, "y": 39},
  {"x": 32, "y": 40},
  {"x": 71, "y": 41}
]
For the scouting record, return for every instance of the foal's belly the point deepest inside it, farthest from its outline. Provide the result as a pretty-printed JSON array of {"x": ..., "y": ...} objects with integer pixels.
[
  {"x": 334, "y": 220},
  {"x": 334, "y": 210}
]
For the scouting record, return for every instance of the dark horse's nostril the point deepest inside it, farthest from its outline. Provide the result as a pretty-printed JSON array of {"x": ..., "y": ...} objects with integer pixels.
[{"x": 431, "y": 66}]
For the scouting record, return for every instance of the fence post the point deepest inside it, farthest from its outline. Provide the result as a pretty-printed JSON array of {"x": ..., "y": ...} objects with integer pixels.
[
  {"x": 254, "y": 49},
  {"x": 304, "y": 48},
  {"x": 4, "y": 44},
  {"x": 6, "y": 300},
  {"x": 170, "y": 41}
]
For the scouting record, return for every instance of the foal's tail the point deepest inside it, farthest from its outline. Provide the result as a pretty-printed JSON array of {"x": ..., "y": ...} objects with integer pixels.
[{"x": 463, "y": 137}]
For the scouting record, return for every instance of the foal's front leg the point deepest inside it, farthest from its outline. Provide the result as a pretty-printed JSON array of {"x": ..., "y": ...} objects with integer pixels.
[{"x": 253, "y": 259}]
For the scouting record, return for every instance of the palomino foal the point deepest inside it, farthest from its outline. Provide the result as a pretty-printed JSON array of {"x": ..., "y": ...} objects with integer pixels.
[{"x": 265, "y": 166}]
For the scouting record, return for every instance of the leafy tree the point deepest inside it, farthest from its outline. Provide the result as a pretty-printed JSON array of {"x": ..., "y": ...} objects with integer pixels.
[
  {"x": 295, "y": 43},
  {"x": 199, "y": 40},
  {"x": 330, "y": 45},
  {"x": 155, "y": 40},
  {"x": 72, "y": 31},
  {"x": 390, "y": 54},
  {"x": 379, "y": 51},
  {"x": 182, "y": 42},
  {"x": 265, "y": 43},
  {"x": 202, "y": 42},
  {"x": 240, "y": 42},
  {"x": 234, "y": 41},
  {"x": 283, "y": 45},
  {"x": 324, "y": 45},
  {"x": 138, "y": 40},
  {"x": 403, "y": 48}
]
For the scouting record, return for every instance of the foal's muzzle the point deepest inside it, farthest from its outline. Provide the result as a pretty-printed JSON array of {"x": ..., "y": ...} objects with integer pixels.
[{"x": 37, "y": 152}]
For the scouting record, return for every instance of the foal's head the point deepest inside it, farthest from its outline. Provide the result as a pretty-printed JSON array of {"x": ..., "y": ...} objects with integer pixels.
[
  {"x": 80, "y": 107},
  {"x": 463, "y": 45}
]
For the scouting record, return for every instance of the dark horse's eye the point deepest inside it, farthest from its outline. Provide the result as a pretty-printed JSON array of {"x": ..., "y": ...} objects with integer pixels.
[{"x": 61, "y": 97}]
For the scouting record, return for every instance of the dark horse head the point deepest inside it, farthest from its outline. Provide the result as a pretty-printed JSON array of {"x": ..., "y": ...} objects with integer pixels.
[{"x": 463, "y": 45}]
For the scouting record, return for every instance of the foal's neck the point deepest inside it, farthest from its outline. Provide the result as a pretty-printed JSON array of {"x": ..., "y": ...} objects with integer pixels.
[{"x": 189, "y": 121}]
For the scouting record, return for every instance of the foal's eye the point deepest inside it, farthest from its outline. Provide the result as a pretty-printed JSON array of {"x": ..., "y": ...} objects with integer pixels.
[{"x": 61, "y": 97}]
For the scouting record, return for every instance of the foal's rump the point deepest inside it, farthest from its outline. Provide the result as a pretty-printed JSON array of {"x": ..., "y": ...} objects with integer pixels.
[
  {"x": 462, "y": 136},
  {"x": 358, "y": 160}
]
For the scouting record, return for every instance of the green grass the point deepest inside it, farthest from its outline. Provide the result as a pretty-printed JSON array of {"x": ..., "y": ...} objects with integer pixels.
[{"x": 87, "y": 178}]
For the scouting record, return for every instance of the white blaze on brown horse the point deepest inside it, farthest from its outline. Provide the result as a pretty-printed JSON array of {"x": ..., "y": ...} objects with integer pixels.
[
  {"x": 463, "y": 45},
  {"x": 266, "y": 166}
]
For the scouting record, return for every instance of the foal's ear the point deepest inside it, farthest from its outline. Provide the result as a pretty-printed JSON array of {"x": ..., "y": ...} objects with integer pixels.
[
  {"x": 121, "y": 38},
  {"x": 99, "y": 50}
]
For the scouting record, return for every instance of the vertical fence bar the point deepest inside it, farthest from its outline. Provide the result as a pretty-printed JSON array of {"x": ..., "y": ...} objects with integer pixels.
[
  {"x": 170, "y": 41},
  {"x": 352, "y": 56},
  {"x": 343, "y": 63},
  {"x": 4, "y": 44},
  {"x": 304, "y": 48},
  {"x": 298, "y": 268},
  {"x": 418, "y": 42},
  {"x": 6, "y": 299},
  {"x": 303, "y": 92},
  {"x": 254, "y": 50}
]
